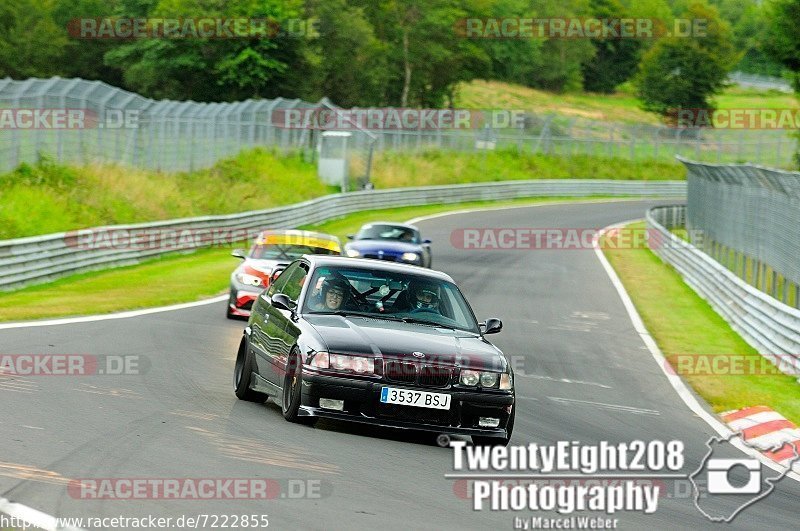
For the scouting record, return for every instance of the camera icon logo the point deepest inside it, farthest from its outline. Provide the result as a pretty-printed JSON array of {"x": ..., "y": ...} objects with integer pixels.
[
  {"x": 724, "y": 486},
  {"x": 720, "y": 472}
]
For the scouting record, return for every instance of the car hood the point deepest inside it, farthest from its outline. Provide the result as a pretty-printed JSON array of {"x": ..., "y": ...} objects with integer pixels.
[
  {"x": 383, "y": 245},
  {"x": 397, "y": 340}
]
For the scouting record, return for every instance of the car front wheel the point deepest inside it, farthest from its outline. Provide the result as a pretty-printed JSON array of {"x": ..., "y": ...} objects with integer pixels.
[{"x": 292, "y": 389}]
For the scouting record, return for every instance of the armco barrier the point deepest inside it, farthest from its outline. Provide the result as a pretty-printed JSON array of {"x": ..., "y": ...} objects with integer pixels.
[
  {"x": 771, "y": 327},
  {"x": 37, "y": 259}
]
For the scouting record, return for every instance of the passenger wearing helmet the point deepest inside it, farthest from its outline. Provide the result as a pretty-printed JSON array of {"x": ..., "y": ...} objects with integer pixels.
[
  {"x": 333, "y": 295},
  {"x": 424, "y": 296}
]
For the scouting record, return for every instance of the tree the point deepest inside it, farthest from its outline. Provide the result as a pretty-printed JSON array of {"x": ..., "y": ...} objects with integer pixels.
[
  {"x": 350, "y": 63},
  {"x": 83, "y": 57},
  {"x": 560, "y": 60},
  {"x": 30, "y": 41},
  {"x": 615, "y": 59},
  {"x": 686, "y": 72},
  {"x": 425, "y": 56},
  {"x": 213, "y": 69},
  {"x": 783, "y": 42}
]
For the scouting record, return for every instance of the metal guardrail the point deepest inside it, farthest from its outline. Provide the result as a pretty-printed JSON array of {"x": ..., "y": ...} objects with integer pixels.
[
  {"x": 771, "y": 327},
  {"x": 39, "y": 259}
]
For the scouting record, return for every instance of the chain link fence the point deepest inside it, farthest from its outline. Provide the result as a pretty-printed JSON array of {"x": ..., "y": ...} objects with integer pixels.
[
  {"x": 747, "y": 217},
  {"x": 125, "y": 128},
  {"x": 768, "y": 325}
]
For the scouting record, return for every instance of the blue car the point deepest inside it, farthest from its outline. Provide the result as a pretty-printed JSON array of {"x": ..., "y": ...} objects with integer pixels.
[{"x": 394, "y": 242}]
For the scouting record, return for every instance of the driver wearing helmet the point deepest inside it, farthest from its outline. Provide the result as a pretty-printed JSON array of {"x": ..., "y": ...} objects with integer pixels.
[
  {"x": 333, "y": 295},
  {"x": 424, "y": 296}
]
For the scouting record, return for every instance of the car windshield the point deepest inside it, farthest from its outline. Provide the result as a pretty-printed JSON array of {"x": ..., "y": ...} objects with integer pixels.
[
  {"x": 387, "y": 232},
  {"x": 285, "y": 251},
  {"x": 388, "y": 295}
]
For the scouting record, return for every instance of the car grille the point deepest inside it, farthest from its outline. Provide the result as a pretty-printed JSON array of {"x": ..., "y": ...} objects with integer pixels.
[
  {"x": 415, "y": 414},
  {"x": 400, "y": 372},
  {"x": 386, "y": 257},
  {"x": 423, "y": 375},
  {"x": 435, "y": 376}
]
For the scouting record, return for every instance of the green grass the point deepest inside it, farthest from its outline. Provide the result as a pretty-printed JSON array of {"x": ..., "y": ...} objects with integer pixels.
[
  {"x": 177, "y": 278},
  {"x": 48, "y": 197},
  {"x": 622, "y": 106},
  {"x": 683, "y": 323},
  {"x": 432, "y": 167}
]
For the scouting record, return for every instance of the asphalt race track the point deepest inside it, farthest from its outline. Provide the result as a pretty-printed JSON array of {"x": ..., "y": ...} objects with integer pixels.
[{"x": 583, "y": 375}]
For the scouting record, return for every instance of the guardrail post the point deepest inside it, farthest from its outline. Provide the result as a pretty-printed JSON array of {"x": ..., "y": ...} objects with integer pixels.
[
  {"x": 774, "y": 284},
  {"x": 757, "y": 273}
]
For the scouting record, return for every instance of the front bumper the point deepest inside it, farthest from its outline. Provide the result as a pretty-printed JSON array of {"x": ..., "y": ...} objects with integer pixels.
[
  {"x": 241, "y": 301},
  {"x": 362, "y": 404}
]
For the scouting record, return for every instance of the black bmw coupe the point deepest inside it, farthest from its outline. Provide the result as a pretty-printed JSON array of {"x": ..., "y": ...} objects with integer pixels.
[{"x": 378, "y": 343}]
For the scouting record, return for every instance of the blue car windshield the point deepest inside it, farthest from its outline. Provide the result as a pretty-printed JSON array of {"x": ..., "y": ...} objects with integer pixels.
[
  {"x": 389, "y": 295},
  {"x": 387, "y": 232}
]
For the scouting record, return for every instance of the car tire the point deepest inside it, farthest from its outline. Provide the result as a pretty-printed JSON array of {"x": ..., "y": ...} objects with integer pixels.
[
  {"x": 479, "y": 440},
  {"x": 243, "y": 373},
  {"x": 292, "y": 391}
]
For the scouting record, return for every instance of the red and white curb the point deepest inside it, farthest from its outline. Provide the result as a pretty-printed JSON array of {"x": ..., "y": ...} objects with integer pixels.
[{"x": 766, "y": 429}]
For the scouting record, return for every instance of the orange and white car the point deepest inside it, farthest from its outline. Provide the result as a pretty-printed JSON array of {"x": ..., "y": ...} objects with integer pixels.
[{"x": 270, "y": 253}]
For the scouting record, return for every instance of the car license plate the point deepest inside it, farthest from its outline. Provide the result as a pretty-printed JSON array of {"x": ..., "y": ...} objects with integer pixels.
[{"x": 407, "y": 397}]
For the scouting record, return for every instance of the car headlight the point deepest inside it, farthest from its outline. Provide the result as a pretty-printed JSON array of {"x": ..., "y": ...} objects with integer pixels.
[
  {"x": 320, "y": 360},
  {"x": 486, "y": 379},
  {"x": 470, "y": 378},
  {"x": 352, "y": 253},
  {"x": 248, "y": 280},
  {"x": 489, "y": 379},
  {"x": 342, "y": 362},
  {"x": 410, "y": 257}
]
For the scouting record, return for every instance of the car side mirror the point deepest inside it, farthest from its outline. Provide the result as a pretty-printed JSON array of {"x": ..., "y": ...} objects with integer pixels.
[
  {"x": 351, "y": 236},
  {"x": 426, "y": 241},
  {"x": 282, "y": 301},
  {"x": 239, "y": 253},
  {"x": 491, "y": 326}
]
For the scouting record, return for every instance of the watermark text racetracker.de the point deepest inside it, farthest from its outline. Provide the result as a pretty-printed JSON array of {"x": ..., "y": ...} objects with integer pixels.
[
  {"x": 397, "y": 119},
  {"x": 159, "y": 238},
  {"x": 609, "y": 28},
  {"x": 121, "y": 28},
  {"x": 41, "y": 118},
  {"x": 764, "y": 364},
  {"x": 72, "y": 365},
  {"x": 629, "y": 462},
  {"x": 150, "y": 521},
  {"x": 198, "y": 488},
  {"x": 559, "y": 238}
]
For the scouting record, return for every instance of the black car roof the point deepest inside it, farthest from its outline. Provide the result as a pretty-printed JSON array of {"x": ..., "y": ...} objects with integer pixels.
[{"x": 317, "y": 260}]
